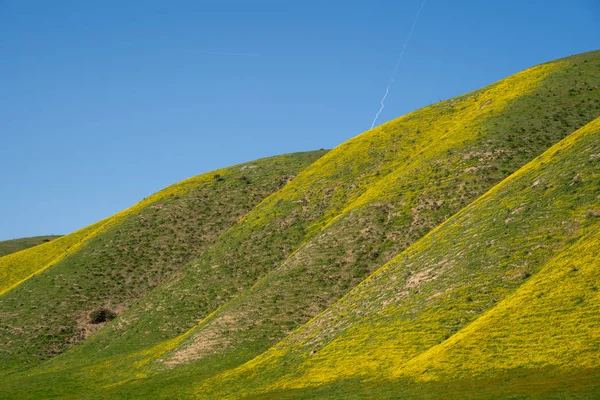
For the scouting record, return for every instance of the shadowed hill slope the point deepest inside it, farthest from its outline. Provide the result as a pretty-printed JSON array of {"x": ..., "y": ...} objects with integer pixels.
[
  {"x": 350, "y": 212},
  {"x": 114, "y": 263},
  {"x": 506, "y": 288},
  {"x": 15, "y": 245}
]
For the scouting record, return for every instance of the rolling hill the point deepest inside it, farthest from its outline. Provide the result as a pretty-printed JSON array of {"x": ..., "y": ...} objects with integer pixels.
[
  {"x": 508, "y": 284},
  {"x": 52, "y": 289},
  {"x": 14, "y": 245},
  {"x": 226, "y": 289}
]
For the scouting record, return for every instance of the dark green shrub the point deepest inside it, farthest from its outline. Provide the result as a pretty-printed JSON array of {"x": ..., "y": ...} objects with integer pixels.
[{"x": 101, "y": 315}]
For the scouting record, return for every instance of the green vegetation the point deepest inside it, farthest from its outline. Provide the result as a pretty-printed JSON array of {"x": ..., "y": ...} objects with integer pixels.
[
  {"x": 450, "y": 211},
  {"x": 121, "y": 259},
  {"x": 500, "y": 286},
  {"x": 18, "y": 267},
  {"x": 14, "y": 245},
  {"x": 391, "y": 214}
]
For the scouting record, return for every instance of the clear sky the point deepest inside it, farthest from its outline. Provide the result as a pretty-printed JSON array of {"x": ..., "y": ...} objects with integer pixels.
[{"x": 103, "y": 103}]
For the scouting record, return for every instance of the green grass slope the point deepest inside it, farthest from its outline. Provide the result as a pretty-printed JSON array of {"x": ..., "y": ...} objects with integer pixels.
[
  {"x": 114, "y": 263},
  {"x": 412, "y": 173},
  {"x": 553, "y": 320},
  {"x": 502, "y": 299},
  {"x": 541, "y": 342},
  {"x": 471, "y": 151},
  {"x": 351, "y": 211},
  {"x": 14, "y": 245},
  {"x": 16, "y": 268}
]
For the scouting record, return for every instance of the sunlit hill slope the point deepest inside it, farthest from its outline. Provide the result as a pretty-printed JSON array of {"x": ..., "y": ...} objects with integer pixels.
[
  {"x": 508, "y": 287},
  {"x": 452, "y": 247},
  {"x": 14, "y": 245}
]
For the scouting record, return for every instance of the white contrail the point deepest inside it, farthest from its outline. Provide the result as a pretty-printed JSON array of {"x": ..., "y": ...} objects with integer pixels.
[
  {"x": 389, "y": 86},
  {"x": 229, "y": 54}
]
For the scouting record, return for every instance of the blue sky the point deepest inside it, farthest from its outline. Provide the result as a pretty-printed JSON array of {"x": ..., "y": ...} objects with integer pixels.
[{"x": 104, "y": 103}]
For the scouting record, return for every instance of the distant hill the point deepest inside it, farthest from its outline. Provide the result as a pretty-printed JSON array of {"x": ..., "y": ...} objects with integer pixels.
[
  {"x": 375, "y": 270},
  {"x": 14, "y": 245}
]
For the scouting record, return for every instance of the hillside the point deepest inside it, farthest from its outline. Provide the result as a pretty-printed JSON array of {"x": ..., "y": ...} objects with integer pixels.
[
  {"x": 508, "y": 287},
  {"x": 347, "y": 189},
  {"x": 440, "y": 208},
  {"x": 14, "y": 245},
  {"x": 340, "y": 219},
  {"x": 112, "y": 264},
  {"x": 16, "y": 268}
]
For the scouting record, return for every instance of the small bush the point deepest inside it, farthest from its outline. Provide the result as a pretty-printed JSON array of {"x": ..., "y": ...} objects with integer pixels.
[{"x": 101, "y": 315}]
